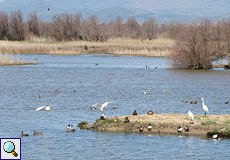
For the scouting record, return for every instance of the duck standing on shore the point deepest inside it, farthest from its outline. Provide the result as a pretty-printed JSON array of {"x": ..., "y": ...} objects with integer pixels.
[
  {"x": 149, "y": 127},
  {"x": 150, "y": 112},
  {"x": 126, "y": 120},
  {"x": 179, "y": 129},
  {"x": 134, "y": 113},
  {"x": 186, "y": 128},
  {"x": 141, "y": 129}
]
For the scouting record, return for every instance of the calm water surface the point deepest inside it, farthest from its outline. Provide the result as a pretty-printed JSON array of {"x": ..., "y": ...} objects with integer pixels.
[{"x": 120, "y": 79}]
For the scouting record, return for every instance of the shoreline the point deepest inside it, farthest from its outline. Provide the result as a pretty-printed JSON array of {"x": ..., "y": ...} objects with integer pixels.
[{"x": 164, "y": 124}]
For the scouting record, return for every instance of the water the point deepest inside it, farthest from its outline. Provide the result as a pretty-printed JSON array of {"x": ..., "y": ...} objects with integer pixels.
[{"x": 122, "y": 80}]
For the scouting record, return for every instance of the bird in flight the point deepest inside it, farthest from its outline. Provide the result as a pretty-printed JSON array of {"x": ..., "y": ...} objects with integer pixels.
[
  {"x": 101, "y": 107},
  {"x": 44, "y": 108}
]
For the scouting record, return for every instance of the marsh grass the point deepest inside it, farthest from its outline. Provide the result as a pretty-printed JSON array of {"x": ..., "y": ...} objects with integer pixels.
[
  {"x": 6, "y": 59},
  {"x": 209, "y": 122},
  {"x": 120, "y": 46}
]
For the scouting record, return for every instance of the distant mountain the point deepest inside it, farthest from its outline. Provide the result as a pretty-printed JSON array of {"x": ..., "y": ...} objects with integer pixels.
[{"x": 163, "y": 10}]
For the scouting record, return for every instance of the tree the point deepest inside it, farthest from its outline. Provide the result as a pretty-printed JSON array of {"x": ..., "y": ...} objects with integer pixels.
[
  {"x": 150, "y": 28},
  {"x": 4, "y": 25},
  {"x": 16, "y": 25},
  {"x": 33, "y": 23}
]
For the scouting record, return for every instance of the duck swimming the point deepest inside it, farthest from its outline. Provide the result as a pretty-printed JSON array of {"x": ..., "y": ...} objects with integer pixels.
[
  {"x": 23, "y": 134},
  {"x": 68, "y": 128},
  {"x": 37, "y": 133}
]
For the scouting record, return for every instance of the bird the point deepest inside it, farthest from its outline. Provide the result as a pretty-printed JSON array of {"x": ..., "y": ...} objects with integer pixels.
[
  {"x": 227, "y": 102},
  {"x": 37, "y": 133},
  {"x": 155, "y": 67},
  {"x": 205, "y": 108},
  {"x": 222, "y": 129},
  {"x": 39, "y": 96},
  {"x": 193, "y": 102},
  {"x": 103, "y": 116},
  {"x": 115, "y": 119},
  {"x": 44, "y": 108},
  {"x": 96, "y": 64},
  {"x": 141, "y": 129},
  {"x": 220, "y": 138},
  {"x": 215, "y": 136},
  {"x": 92, "y": 108},
  {"x": 184, "y": 101},
  {"x": 134, "y": 113},
  {"x": 145, "y": 92},
  {"x": 23, "y": 134},
  {"x": 164, "y": 91},
  {"x": 179, "y": 129},
  {"x": 68, "y": 128},
  {"x": 57, "y": 90},
  {"x": 101, "y": 107},
  {"x": 146, "y": 67},
  {"x": 74, "y": 91},
  {"x": 48, "y": 9},
  {"x": 186, "y": 128},
  {"x": 126, "y": 120},
  {"x": 149, "y": 127},
  {"x": 190, "y": 114},
  {"x": 114, "y": 108},
  {"x": 150, "y": 112}
]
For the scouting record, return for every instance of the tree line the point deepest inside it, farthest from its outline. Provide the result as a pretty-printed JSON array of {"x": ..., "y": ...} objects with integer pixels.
[
  {"x": 69, "y": 27},
  {"x": 197, "y": 44}
]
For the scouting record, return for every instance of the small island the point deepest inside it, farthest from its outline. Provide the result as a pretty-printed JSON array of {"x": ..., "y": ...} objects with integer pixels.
[{"x": 164, "y": 124}]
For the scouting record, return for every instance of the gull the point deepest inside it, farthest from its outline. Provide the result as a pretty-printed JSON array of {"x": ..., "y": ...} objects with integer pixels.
[
  {"x": 101, "y": 107},
  {"x": 191, "y": 116},
  {"x": 205, "y": 108},
  {"x": 44, "y": 108}
]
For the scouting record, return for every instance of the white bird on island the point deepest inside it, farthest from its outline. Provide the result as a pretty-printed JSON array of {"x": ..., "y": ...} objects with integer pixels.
[
  {"x": 205, "y": 108},
  {"x": 44, "y": 108},
  {"x": 101, "y": 107},
  {"x": 190, "y": 114}
]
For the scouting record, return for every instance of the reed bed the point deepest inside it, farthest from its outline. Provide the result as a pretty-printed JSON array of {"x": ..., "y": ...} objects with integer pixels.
[
  {"x": 120, "y": 46},
  {"x": 6, "y": 59}
]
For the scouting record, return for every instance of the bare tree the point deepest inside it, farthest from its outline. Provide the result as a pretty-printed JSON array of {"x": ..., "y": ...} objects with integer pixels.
[
  {"x": 150, "y": 28},
  {"x": 4, "y": 25},
  {"x": 132, "y": 29},
  {"x": 16, "y": 25},
  {"x": 33, "y": 23},
  {"x": 118, "y": 27}
]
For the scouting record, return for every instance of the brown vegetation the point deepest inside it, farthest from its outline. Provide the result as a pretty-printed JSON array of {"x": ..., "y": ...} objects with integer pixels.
[{"x": 10, "y": 60}]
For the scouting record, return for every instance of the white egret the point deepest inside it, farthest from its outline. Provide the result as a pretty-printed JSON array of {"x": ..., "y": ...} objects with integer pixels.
[
  {"x": 190, "y": 114},
  {"x": 101, "y": 107},
  {"x": 205, "y": 108},
  {"x": 44, "y": 108}
]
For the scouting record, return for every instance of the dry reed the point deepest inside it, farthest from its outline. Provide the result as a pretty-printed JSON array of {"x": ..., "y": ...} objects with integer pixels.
[
  {"x": 119, "y": 46},
  {"x": 6, "y": 59}
]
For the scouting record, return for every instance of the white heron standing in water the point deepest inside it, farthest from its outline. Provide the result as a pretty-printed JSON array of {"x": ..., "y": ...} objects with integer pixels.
[
  {"x": 205, "y": 108},
  {"x": 190, "y": 114},
  {"x": 101, "y": 107}
]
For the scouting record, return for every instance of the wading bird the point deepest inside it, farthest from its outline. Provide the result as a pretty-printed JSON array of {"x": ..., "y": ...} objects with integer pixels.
[
  {"x": 44, "y": 108},
  {"x": 205, "y": 108},
  {"x": 190, "y": 114}
]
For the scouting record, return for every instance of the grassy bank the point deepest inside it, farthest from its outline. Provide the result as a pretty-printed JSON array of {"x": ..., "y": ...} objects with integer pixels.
[
  {"x": 163, "y": 123},
  {"x": 159, "y": 47}
]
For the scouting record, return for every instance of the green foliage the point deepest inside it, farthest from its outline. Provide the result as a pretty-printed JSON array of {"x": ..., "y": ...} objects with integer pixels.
[
  {"x": 86, "y": 47},
  {"x": 209, "y": 122},
  {"x": 197, "y": 118},
  {"x": 227, "y": 122}
]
